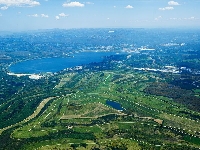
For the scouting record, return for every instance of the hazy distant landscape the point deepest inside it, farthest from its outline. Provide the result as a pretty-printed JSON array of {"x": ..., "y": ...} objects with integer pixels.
[{"x": 104, "y": 88}]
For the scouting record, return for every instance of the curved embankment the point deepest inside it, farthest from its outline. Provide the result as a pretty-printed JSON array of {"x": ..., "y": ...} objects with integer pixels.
[{"x": 35, "y": 113}]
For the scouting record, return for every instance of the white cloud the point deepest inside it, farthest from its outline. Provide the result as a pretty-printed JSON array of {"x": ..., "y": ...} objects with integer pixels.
[
  {"x": 63, "y": 15},
  {"x": 173, "y": 3},
  {"x": 191, "y": 18},
  {"x": 166, "y": 8},
  {"x": 34, "y": 15},
  {"x": 89, "y": 3},
  {"x": 158, "y": 18},
  {"x": 170, "y": 3},
  {"x": 19, "y": 3},
  {"x": 129, "y": 7},
  {"x": 175, "y": 18},
  {"x": 73, "y": 4},
  {"x": 44, "y": 16},
  {"x": 57, "y": 17},
  {"x": 4, "y": 8}
]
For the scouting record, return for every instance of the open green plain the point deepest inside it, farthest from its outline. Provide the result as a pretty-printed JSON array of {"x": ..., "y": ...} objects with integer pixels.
[{"x": 83, "y": 120}]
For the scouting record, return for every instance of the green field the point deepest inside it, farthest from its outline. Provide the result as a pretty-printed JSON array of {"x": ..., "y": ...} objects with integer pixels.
[{"x": 83, "y": 120}]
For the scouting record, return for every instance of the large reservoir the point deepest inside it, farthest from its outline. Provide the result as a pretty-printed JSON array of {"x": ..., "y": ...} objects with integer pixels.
[{"x": 56, "y": 64}]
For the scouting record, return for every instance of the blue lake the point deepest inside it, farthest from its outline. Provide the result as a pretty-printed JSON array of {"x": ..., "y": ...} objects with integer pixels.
[
  {"x": 57, "y": 64},
  {"x": 115, "y": 105}
]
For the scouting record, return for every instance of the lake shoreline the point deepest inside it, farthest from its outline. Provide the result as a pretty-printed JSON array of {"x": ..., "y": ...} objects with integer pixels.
[
  {"x": 55, "y": 64},
  {"x": 31, "y": 76}
]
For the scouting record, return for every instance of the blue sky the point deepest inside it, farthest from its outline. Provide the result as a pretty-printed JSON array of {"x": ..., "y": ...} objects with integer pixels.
[{"x": 18, "y": 15}]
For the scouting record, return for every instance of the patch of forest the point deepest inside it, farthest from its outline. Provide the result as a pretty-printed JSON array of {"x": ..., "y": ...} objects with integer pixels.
[{"x": 178, "y": 94}]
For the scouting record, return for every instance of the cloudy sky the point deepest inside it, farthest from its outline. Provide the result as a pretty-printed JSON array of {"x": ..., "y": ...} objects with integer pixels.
[{"x": 17, "y": 15}]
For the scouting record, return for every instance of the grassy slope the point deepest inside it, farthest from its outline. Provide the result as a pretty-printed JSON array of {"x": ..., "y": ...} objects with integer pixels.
[{"x": 83, "y": 112}]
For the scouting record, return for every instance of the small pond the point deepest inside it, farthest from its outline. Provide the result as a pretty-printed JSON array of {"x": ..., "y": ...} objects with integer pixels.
[{"x": 115, "y": 105}]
